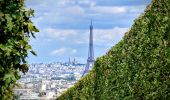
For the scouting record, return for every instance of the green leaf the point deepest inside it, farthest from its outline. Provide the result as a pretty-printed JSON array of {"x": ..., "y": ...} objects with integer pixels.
[
  {"x": 35, "y": 29},
  {"x": 31, "y": 27},
  {"x": 9, "y": 78},
  {"x": 30, "y": 12},
  {"x": 28, "y": 47},
  {"x": 33, "y": 53},
  {"x": 1, "y": 14}
]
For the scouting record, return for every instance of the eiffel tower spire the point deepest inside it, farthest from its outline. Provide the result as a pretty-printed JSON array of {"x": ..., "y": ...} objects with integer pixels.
[{"x": 90, "y": 59}]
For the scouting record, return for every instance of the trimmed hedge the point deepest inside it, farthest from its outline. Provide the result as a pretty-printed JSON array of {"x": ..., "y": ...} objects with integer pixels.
[{"x": 137, "y": 68}]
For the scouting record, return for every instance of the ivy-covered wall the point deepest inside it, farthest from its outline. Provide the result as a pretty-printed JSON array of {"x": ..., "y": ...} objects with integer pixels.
[{"x": 137, "y": 68}]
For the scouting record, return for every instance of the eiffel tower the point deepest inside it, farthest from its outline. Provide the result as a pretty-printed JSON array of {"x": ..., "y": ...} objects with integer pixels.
[{"x": 90, "y": 60}]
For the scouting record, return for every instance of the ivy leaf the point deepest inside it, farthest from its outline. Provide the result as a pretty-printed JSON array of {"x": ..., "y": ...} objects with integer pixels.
[
  {"x": 33, "y": 53},
  {"x": 35, "y": 29},
  {"x": 9, "y": 78},
  {"x": 24, "y": 68},
  {"x": 31, "y": 27},
  {"x": 30, "y": 12},
  {"x": 28, "y": 47},
  {"x": 1, "y": 14}
]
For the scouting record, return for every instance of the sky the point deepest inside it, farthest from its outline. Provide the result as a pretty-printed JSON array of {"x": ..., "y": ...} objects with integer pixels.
[{"x": 64, "y": 27}]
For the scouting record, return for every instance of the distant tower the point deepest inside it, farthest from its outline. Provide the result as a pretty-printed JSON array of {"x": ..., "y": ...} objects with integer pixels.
[
  {"x": 69, "y": 61},
  {"x": 90, "y": 60},
  {"x": 74, "y": 61}
]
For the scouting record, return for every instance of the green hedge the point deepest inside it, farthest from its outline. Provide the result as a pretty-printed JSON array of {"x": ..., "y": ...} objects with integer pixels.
[{"x": 137, "y": 68}]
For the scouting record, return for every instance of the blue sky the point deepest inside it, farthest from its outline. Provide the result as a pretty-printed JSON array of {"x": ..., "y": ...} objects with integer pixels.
[{"x": 64, "y": 26}]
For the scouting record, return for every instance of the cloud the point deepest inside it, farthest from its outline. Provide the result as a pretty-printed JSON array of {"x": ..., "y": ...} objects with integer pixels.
[
  {"x": 79, "y": 36},
  {"x": 59, "y": 33},
  {"x": 89, "y": 3},
  {"x": 135, "y": 9},
  {"x": 116, "y": 9},
  {"x": 74, "y": 11},
  {"x": 59, "y": 3},
  {"x": 108, "y": 35},
  {"x": 65, "y": 13},
  {"x": 103, "y": 36},
  {"x": 64, "y": 3},
  {"x": 108, "y": 10},
  {"x": 62, "y": 51}
]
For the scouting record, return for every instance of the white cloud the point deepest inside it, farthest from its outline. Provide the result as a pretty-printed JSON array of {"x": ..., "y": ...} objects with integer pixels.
[
  {"x": 59, "y": 51},
  {"x": 135, "y": 9},
  {"x": 65, "y": 2},
  {"x": 69, "y": 11},
  {"x": 58, "y": 3},
  {"x": 78, "y": 36},
  {"x": 107, "y": 35},
  {"x": 74, "y": 11},
  {"x": 59, "y": 33},
  {"x": 62, "y": 51},
  {"x": 108, "y": 10},
  {"x": 103, "y": 36},
  {"x": 87, "y": 2},
  {"x": 116, "y": 9}
]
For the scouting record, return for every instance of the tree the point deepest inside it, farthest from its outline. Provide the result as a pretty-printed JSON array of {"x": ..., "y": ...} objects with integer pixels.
[{"x": 16, "y": 29}]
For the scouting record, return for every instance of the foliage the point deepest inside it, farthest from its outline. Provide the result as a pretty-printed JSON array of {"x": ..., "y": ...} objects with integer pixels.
[
  {"x": 15, "y": 30},
  {"x": 137, "y": 68}
]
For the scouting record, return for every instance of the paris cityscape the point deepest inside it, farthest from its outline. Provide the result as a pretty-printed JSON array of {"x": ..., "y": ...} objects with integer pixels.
[
  {"x": 68, "y": 46},
  {"x": 84, "y": 49},
  {"x": 48, "y": 81}
]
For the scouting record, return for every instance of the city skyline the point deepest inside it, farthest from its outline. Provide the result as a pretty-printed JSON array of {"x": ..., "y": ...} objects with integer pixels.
[{"x": 64, "y": 26}]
